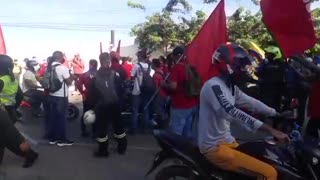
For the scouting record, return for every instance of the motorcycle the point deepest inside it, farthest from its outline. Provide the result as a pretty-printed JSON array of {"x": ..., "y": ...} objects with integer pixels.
[
  {"x": 298, "y": 160},
  {"x": 73, "y": 110}
]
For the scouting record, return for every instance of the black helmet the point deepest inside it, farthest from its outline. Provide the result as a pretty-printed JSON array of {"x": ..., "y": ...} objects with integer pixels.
[{"x": 6, "y": 64}]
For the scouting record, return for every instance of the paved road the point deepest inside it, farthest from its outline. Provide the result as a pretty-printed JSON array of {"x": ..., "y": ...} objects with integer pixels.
[{"x": 77, "y": 162}]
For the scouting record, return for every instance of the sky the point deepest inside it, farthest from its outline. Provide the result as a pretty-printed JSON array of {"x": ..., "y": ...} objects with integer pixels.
[{"x": 98, "y": 17}]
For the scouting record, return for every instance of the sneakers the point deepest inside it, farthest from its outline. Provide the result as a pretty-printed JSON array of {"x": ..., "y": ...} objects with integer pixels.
[
  {"x": 65, "y": 143},
  {"x": 53, "y": 142}
]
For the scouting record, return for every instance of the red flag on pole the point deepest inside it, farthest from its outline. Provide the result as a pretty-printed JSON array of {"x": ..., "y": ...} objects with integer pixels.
[
  {"x": 3, "y": 49},
  {"x": 212, "y": 34},
  {"x": 118, "y": 48},
  {"x": 291, "y": 24}
]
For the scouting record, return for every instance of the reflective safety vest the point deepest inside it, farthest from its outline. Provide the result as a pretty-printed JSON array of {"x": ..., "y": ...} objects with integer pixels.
[{"x": 9, "y": 91}]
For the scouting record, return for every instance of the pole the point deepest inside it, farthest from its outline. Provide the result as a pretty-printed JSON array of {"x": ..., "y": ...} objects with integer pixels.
[{"x": 158, "y": 89}]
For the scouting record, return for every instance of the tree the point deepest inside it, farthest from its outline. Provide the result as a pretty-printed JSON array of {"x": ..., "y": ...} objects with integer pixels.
[
  {"x": 158, "y": 32},
  {"x": 243, "y": 27}
]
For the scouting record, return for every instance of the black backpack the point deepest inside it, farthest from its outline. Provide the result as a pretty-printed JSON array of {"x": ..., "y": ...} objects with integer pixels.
[
  {"x": 192, "y": 85},
  {"x": 147, "y": 85},
  {"x": 50, "y": 81}
]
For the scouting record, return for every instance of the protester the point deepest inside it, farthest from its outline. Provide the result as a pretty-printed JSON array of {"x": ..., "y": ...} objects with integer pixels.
[
  {"x": 159, "y": 103},
  {"x": 271, "y": 76},
  {"x": 127, "y": 66},
  {"x": 10, "y": 92},
  {"x": 30, "y": 87},
  {"x": 58, "y": 100},
  {"x": 103, "y": 98},
  {"x": 219, "y": 100},
  {"x": 78, "y": 68},
  {"x": 184, "y": 108},
  {"x": 84, "y": 81},
  {"x": 164, "y": 64},
  {"x": 11, "y": 139},
  {"x": 17, "y": 70},
  {"x": 141, "y": 92}
]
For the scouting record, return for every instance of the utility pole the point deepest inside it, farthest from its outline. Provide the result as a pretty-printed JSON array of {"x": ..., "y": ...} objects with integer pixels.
[{"x": 112, "y": 43}]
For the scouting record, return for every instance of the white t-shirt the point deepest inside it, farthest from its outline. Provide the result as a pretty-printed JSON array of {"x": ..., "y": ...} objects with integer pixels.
[
  {"x": 219, "y": 108},
  {"x": 62, "y": 73},
  {"x": 28, "y": 75},
  {"x": 138, "y": 74}
]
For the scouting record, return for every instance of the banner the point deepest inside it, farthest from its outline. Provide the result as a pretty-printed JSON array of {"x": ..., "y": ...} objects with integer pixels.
[
  {"x": 290, "y": 23},
  {"x": 212, "y": 34}
]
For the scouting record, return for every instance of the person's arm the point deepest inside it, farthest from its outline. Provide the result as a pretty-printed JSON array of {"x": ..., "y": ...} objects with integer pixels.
[
  {"x": 67, "y": 77},
  {"x": 173, "y": 83},
  {"x": 245, "y": 101},
  {"x": 28, "y": 79},
  {"x": 81, "y": 83},
  {"x": 218, "y": 101},
  {"x": 134, "y": 72}
]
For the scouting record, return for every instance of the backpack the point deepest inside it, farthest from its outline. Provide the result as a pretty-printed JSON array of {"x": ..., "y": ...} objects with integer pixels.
[
  {"x": 192, "y": 85},
  {"x": 50, "y": 81},
  {"x": 107, "y": 88},
  {"x": 147, "y": 85}
]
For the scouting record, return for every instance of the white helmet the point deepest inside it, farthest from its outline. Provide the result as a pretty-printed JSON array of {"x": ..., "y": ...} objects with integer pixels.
[{"x": 89, "y": 117}]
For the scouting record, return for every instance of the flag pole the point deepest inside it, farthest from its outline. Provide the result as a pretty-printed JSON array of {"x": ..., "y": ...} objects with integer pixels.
[{"x": 158, "y": 89}]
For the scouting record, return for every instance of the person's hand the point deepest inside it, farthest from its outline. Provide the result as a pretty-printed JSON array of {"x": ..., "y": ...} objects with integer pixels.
[
  {"x": 284, "y": 114},
  {"x": 280, "y": 136}
]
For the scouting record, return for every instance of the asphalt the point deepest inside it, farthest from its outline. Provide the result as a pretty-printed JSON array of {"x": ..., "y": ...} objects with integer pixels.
[{"x": 77, "y": 162}]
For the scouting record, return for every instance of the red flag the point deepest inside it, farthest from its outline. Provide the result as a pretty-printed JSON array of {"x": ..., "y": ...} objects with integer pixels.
[
  {"x": 291, "y": 24},
  {"x": 118, "y": 48},
  {"x": 3, "y": 49},
  {"x": 212, "y": 34}
]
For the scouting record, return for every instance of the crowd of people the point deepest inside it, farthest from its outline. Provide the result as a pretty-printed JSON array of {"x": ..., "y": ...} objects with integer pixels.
[{"x": 168, "y": 93}]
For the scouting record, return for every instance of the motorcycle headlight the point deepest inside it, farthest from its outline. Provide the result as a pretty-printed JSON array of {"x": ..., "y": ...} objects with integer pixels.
[{"x": 315, "y": 161}]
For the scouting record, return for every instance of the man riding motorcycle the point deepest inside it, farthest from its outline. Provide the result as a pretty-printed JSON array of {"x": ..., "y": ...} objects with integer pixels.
[
  {"x": 31, "y": 86},
  {"x": 219, "y": 100}
]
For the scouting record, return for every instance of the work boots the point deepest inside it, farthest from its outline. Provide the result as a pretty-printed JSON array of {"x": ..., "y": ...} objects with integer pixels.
[
  {"x": 122, "y": 145},
  {"x": 102, "y": 149}
]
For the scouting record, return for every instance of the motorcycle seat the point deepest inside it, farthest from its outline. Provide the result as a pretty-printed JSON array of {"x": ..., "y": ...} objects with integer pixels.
[{"x": 187, "y": 147}]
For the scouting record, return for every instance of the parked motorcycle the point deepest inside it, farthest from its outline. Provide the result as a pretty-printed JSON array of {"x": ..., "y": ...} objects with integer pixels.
[
  {"x": 73, "y": 110},
  {"x": 298, "y": 160}
]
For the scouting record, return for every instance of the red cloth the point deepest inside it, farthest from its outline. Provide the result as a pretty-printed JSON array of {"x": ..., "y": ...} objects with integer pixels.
[
  {"x": 179, "y": 99},
  {"x": 43, "y": 68},
  {"x": 315, "y": 101},
  {"x": 158, "y": 78},
  {"x": 212, "y": 34},
  {"x": 128, "y": 68},
  {"x": 165, "y": 69},
  {"x": 3, "y": 49},
  {"x": 291, "y": 25}
]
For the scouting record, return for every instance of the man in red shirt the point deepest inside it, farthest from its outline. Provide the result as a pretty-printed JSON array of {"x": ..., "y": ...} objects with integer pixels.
[
  {"x": 85, "y": 81},
  {"x": 184, "y": 109},
  {"x": 159, "y": 104},
  {"x": 127, "y": 66}
]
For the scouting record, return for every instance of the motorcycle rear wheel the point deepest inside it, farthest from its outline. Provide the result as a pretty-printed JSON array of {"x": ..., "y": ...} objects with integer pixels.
[{"x": 175, "y": 173}]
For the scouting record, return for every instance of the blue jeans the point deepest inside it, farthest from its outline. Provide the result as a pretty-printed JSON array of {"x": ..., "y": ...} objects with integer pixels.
[
  {"x": 184, "y": 121},
  {"x": 57, "y": 118},
  {"x": 138, "y": 102}
]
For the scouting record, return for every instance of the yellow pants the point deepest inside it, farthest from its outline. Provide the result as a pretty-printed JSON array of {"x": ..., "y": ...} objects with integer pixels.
[{"x": 226, "y": 157}]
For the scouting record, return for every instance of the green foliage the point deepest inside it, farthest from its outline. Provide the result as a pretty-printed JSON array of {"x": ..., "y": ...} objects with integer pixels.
[
  {"x": 243, "y": 27},
  {"x": 135, "y": 5}
]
